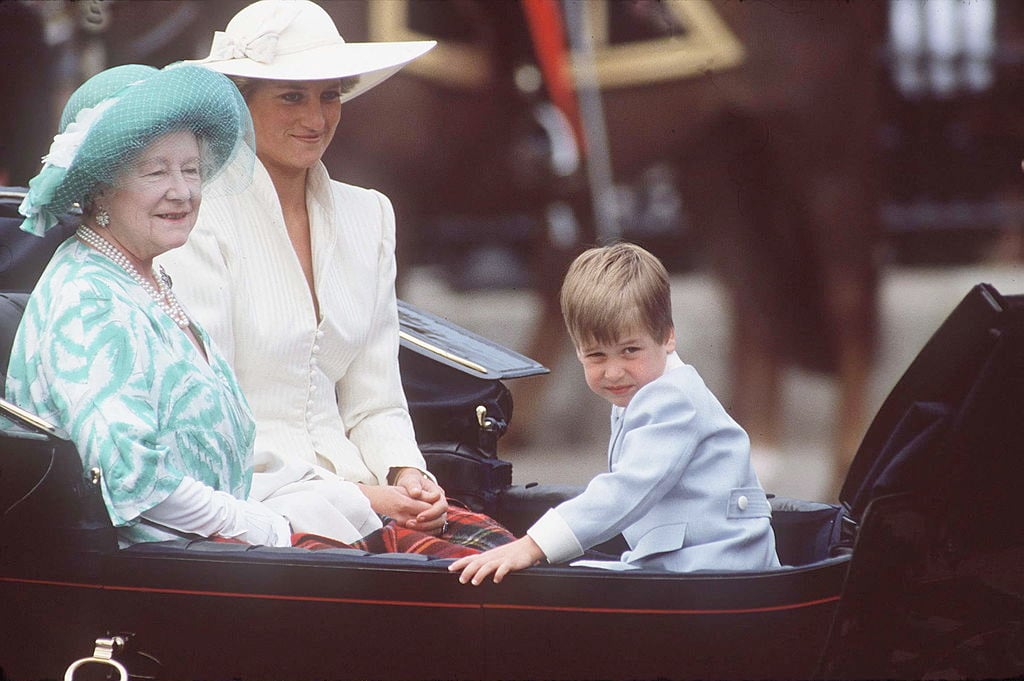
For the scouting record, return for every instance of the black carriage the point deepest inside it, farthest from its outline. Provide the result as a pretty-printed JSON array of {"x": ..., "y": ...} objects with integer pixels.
[{"x": 915, "y": 574}]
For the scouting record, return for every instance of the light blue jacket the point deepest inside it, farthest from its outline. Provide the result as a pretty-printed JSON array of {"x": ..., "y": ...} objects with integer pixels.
[{"x": 680, "y": 487}]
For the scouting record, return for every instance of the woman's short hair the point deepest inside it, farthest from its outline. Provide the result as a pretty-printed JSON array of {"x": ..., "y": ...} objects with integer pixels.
[
  {"x": 247, "y": 85},
  {"x": 614, "y": 290}
]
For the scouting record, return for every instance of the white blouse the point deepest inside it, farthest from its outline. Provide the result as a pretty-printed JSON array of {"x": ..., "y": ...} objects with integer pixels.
[{"x": 326, "y": 393}]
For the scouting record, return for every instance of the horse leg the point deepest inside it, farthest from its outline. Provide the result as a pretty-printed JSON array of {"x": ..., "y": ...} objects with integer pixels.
[
  {"x": 756, "y": 397},
  {"x": 755, "y": 378},
  {"x": 851, "y": 299},
  {"x": 548, "y": 342},
  {"x": 548, "y": 345},
  {"x": 723, "y": 181},
  {"x": 850, "y": 279}
]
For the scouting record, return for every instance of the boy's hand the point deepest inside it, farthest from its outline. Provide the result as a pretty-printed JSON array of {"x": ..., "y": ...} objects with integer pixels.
[{"x": 522, "y": 553}]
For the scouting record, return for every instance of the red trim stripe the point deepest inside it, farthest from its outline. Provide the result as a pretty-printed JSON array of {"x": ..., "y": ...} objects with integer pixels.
[{"x": 429, "y": 604}]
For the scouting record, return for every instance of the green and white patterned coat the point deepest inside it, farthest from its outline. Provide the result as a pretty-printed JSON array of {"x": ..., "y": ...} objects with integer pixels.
[{"x": 95, "y": 356}]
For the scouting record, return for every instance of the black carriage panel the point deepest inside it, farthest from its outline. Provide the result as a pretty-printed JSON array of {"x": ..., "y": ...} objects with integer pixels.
[
  {"x": 23, "y": 256},
  {"x": 459, "y": 405},
  {"x": 12, "y": 307},
  {"x": 934, "y": 585},
  {"x": 49, "y": 506},
  {"x": 915, "y": 420}
]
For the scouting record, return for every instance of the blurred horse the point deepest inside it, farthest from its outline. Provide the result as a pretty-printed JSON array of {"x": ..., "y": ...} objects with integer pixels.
[{"x": 774, "y": 154}]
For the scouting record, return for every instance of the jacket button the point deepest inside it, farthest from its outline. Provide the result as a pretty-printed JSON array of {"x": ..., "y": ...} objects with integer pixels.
[{"x": 741, "y": 503}]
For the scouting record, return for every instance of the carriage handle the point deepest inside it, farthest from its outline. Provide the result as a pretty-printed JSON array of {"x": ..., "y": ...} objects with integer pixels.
[{"x": 103, "y": 654}]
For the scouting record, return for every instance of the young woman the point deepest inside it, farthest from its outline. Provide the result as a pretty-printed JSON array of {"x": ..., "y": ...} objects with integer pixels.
[{"x": 295, "y": 278}]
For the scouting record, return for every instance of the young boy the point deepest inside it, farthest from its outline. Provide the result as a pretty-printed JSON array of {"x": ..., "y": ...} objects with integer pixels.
[{"x": 680, "y": 487}]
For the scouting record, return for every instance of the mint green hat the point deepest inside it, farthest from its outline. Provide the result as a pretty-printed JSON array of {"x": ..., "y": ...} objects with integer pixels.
[
  {"x": 116, "y": 114},
  {"x": 103, "y": 85}
]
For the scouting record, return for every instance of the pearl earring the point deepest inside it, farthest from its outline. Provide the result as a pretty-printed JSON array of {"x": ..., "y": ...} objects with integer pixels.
[{"x": 102, "y": 217}]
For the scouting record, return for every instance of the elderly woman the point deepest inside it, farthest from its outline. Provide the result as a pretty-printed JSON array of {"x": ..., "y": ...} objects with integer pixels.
[
  {"x": 295, "y": 278},
  {"x": 104, "y": 350}
]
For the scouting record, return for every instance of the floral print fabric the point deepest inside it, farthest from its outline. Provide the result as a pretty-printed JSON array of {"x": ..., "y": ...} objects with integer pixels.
[{"x": 95, "y": 356}]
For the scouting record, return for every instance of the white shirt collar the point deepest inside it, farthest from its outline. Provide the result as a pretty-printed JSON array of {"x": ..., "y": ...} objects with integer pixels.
[{"x": 672, "y": 361}]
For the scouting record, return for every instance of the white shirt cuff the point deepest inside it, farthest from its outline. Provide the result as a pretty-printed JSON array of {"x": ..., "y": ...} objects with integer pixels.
[{"x": 555, "y": 538}]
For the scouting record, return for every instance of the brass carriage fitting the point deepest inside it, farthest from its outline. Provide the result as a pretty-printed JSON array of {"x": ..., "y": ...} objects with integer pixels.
[
  {"x": 106, "y": 647},
  {"x": 104, "y": 653},
  {"x": 483, "y": 421}
]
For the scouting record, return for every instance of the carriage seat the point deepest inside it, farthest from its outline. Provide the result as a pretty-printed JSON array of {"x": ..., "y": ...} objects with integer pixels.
[
  {"x": 23, "y": 257},
  {"x": 12, "y": 307}
]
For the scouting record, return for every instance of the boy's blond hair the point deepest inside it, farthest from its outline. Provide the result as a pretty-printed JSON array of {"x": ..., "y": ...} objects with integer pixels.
[{"x": 614, "y": 290}]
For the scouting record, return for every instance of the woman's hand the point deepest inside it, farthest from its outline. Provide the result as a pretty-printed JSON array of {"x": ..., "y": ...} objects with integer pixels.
[
  {"x": 419, "y": 486},
  {"x": 415, "y": 501},
  {"x": 520, "y": 554}
]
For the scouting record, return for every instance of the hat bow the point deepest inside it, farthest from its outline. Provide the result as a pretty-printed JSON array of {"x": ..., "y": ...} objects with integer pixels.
[
  {"x": 65, "y": 145},
  {"x": 262, "y": 48},
  {"x": 259, "y": 45}
]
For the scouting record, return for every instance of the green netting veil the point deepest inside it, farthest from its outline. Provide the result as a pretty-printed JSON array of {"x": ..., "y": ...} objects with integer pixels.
[{"x": 117, "y": 113}]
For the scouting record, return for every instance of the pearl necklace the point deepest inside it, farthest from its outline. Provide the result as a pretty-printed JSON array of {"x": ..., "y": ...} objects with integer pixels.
[{"x": 164, "y": 297}]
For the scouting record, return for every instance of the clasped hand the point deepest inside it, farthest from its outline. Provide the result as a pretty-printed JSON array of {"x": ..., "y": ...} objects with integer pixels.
[{"x": 414, "y": 501}]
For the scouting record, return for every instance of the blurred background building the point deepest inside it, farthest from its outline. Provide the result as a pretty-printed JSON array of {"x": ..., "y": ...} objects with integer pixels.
[{"x": 824, "y": 180}]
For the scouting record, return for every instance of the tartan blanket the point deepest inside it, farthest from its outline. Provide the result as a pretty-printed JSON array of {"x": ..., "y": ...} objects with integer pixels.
[
  {"x": 467, "y": 533},
  {"x": 474, "y": 530}
]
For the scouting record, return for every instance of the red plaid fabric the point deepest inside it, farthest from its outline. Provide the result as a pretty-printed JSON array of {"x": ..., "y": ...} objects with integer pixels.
[
  {"x": 389, "y": 539},
  {"x": 467, "y": 533},
  {"x": 474, "y": 530}
]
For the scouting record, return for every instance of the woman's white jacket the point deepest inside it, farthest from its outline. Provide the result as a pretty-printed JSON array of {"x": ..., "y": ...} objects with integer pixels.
[{"x": 325, "y": 392}]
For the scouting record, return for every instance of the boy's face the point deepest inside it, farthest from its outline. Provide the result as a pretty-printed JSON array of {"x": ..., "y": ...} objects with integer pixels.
[{"x": 617, "y": 370}]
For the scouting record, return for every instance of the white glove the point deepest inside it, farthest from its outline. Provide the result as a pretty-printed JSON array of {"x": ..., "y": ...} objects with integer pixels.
[
  {"x": 258, "y": 524},
  {"x": 199, "y": 509}
]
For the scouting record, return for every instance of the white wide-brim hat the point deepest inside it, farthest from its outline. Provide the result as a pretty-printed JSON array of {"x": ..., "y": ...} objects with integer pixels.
[{"x": 297, "y": 40}]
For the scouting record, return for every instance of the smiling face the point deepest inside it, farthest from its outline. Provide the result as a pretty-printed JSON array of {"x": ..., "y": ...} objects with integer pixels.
[
  {"x": 154, "y": 202},
  {"x": 616, "y": 371},
  {"x": 295, "y": 121}
]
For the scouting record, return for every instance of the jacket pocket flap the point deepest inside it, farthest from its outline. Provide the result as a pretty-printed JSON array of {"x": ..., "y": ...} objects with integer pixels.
[{"x": 661, "y": 539}]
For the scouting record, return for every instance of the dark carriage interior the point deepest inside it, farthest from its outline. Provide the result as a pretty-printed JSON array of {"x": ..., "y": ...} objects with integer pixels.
[
  {"x": 947, "y": 403},
  {"x": 934, "y": 589},
  {"x": 45, "y": 492}
]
